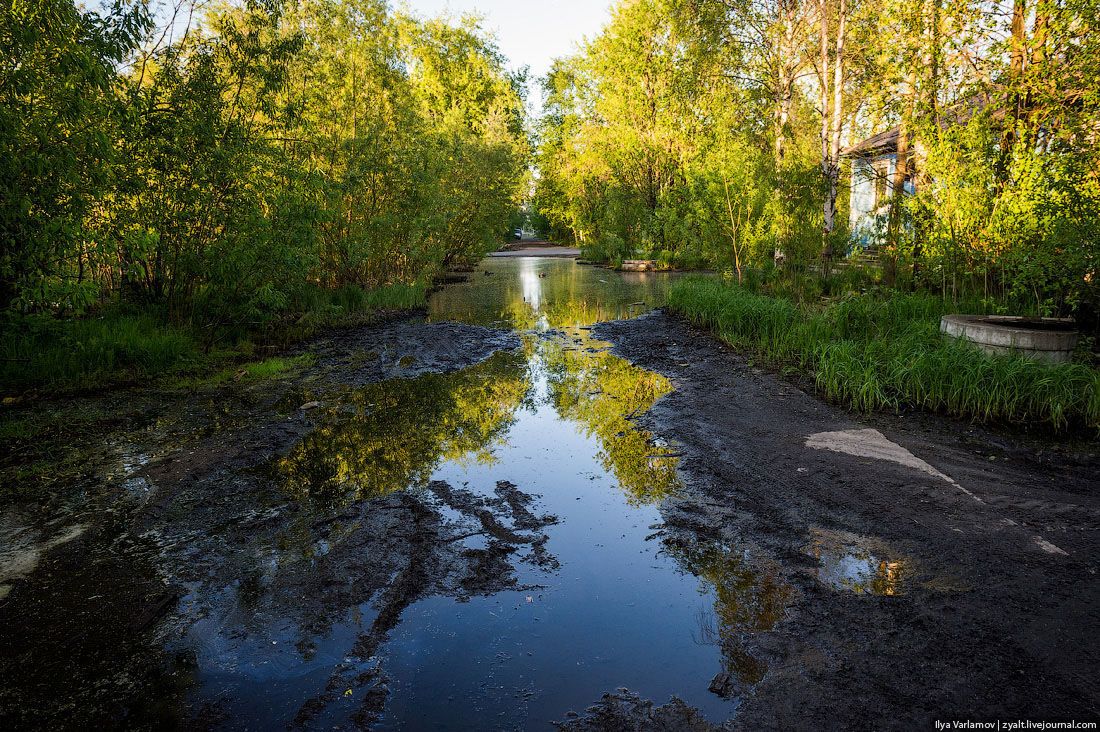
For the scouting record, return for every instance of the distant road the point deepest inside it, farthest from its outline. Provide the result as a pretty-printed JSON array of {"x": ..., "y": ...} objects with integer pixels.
[{"x": 536, "y": 248}]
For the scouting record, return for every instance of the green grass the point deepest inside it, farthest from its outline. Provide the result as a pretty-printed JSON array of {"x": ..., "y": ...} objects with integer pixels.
[
  {"x": 353, "y": 299},
  {"x": 275, "y": 367},
  {"x": 51, "y": 354},
  {"x": 271, "y": 368},
  {"x": 318, "y": 308},
  {"x": 885, "y": 352},
  {"x": 45, "y": 352},
  {"x": 16, "y": 429}
]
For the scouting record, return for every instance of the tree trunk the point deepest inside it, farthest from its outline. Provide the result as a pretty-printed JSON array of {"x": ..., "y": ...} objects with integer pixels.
[
  {"x": 1034, "y": 70},
  {"x": 901, "y": 167},
  {"x": 783, "y": 116},
  {"x": 1018, "y": 61},
  {"x": 823, "y": 9},
  {"x": 929, "y": 93},
  {"x": 735, "y": 231},
  {"x": 832, "y": 117},
  {"x": 790, "y": 59}
]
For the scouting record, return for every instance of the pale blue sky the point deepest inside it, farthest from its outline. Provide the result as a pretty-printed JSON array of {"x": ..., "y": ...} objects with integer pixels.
[{"x": 531, "y": 32}]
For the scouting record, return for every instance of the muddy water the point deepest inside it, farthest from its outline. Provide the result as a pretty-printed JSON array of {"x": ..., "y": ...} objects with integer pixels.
[
  {"x": 619, "y": 610},
  {"x": 463, "y": 530}
]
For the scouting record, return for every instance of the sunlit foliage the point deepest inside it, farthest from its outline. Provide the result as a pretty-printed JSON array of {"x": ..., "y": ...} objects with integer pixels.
[
  {"x": 222, "y": 170},
  {"x": 872, "y": 353},
  {"x": 649, "y": 147},
  {"x": 712, "y": 132}
]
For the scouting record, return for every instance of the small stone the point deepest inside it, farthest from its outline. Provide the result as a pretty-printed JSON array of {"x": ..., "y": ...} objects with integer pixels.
[{"x": 309, "y": 405}]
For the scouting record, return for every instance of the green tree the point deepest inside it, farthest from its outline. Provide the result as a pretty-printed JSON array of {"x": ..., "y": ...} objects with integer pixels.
[{"x": 58, "y": 116}]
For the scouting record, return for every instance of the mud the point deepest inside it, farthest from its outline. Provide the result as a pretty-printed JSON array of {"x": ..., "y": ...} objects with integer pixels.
[
  {"x": 626, "y": 711},
  {"x": 194, "y": 540},
  {"x": 910, "y": 600},
  {"x": 480, "y": 517}
]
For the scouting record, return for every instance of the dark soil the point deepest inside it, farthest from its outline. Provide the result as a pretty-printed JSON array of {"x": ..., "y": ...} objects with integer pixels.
[
  {"x": 974, "y": 619},
  {"x": 177, "y": 547},
  {"x": 853, "y": 592}
]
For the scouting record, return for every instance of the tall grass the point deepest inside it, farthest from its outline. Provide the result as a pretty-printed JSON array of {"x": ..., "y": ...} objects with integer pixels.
[
  {"x": 46, "y": 352},
  {"x": 352, "y": 299},
  {"x": 875, "y": 352},
  {"x": 40, "y": 352}
]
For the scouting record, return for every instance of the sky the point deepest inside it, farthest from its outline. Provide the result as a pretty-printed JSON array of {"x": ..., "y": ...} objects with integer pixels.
[{"x": 530, "y": 32}]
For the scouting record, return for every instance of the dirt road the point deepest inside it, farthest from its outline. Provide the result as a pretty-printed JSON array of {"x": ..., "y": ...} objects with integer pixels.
[
  {"x": 506, "y": 513},
  {"x": 933, "y": 571}
]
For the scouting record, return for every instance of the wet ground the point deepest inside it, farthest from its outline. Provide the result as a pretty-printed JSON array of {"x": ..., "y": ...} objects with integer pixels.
[{"x": 486, "y": 518}]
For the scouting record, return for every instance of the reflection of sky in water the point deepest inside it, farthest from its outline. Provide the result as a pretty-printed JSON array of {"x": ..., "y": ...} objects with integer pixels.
[
  {"x": 535, "y": 294},
  {"x": 620, "y": 611},
  {"x": 617, "y": 613},
  {"x": 857, "y": 564},
  {"x": 532, "y": 287}
]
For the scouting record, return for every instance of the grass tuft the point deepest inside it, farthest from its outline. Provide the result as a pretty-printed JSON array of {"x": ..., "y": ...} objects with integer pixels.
[
  {"x": 873, "y": 352},
  {"x": 271, "y": 368},
  {"x": 41, "y": 352},
  {"x": 45, "y": 352}
]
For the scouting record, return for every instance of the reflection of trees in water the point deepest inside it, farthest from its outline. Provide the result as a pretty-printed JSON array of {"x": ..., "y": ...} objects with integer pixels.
[
  {"x": 390, "y": 435},
  {"x": 747, "y": 600},
  {"x": 570, "y": 312},
  {"x": 602, "y": 393},
  {"x": 554, "y": 293},
  {"x": 887, "y": 578}
]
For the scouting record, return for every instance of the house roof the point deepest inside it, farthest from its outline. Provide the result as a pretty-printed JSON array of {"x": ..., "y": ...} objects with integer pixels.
[
  {"x": 883, "y": 142},
  {"x": 960, "y": 112}
]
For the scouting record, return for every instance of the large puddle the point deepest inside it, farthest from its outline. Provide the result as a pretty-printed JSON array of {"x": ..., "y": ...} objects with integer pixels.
[{"x": 478, "y": 549}]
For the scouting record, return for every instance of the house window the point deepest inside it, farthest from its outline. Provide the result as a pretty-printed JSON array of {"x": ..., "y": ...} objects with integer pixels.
[{"x": 880, "y": 170}]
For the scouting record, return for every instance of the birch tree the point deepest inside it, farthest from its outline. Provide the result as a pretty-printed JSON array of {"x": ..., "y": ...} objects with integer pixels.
[{"x": 832, "y": 36}]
